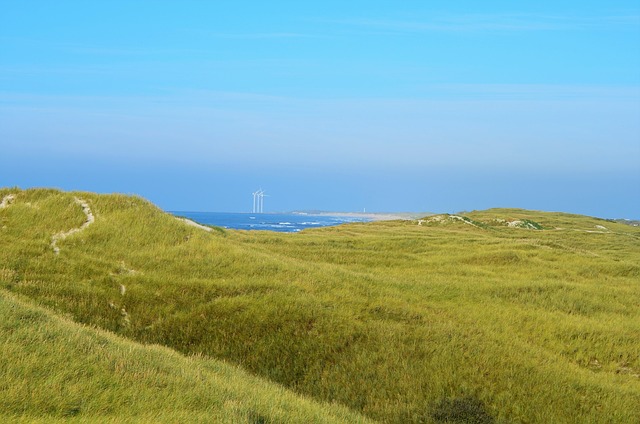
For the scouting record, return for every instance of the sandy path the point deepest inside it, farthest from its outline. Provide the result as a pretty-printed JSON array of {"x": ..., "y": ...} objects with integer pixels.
[
  {"x": 444, "y": 218},
  {"x": 194, "y": 224},
  {"x": 64, "y": 234}
]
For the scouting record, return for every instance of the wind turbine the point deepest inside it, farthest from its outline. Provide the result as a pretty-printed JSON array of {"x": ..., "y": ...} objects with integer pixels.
[
  {"x": 256, "y": 201},
  {"x": 262, "y": 196}
]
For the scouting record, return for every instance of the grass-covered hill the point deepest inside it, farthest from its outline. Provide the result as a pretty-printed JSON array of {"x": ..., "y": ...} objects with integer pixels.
[
  {"x": 494, "y": 316},
  {"x": 54, "y": 370}
]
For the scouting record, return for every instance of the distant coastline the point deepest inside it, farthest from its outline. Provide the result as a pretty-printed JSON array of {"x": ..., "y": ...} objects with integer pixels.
[
  {"x": 281, "y": 222},
  {"x": 373, "y": 216}
]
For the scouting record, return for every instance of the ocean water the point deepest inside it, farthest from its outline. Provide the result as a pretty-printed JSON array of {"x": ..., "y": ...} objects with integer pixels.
[{"x": 289, "y": 223}]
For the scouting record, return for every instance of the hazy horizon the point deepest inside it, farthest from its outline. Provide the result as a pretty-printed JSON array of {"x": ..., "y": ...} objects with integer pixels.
[{"x": 415, "y": 107}]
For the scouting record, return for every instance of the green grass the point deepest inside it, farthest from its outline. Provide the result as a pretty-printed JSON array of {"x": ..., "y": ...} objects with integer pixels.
[
  {"x": 53, "y": 369},
  {"x": 397, "y": 321}
]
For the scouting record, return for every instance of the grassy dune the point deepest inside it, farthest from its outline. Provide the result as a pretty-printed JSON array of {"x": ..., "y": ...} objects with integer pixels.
[
  {"x": 500, "y": 315},
  {"x": 53, "y": 369}
]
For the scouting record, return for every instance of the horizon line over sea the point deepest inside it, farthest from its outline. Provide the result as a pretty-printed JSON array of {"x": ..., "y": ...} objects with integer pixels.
[{"x": 290, "y": 222}]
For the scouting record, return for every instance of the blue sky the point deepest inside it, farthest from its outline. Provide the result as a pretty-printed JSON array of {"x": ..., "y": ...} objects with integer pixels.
[{"x": 389, "y": 106}]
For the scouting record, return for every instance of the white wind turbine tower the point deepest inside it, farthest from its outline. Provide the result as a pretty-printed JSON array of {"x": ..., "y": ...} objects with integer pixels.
[
  {"x": 262, "y": 196},
  {"x": 256, "y": 201}
]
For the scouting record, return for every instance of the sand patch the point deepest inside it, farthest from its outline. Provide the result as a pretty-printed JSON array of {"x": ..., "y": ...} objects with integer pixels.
[
  {"x": 64, "y": 234},
  {"x": 194, "y": 224},
  {"x": 7, "y": 200}
]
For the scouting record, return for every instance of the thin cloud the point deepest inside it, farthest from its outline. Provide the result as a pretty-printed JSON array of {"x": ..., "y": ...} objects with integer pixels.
[
  {"x": 266, "y": 35},
  {"x": 253, "y": 35},
  {"x": 497, "y": 22},
  {"x": 531, "y": 91},
  {"x": 85, "y": 49}
]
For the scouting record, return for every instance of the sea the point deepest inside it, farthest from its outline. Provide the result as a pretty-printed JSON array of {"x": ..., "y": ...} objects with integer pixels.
[{"x": 281, "y": 222}]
